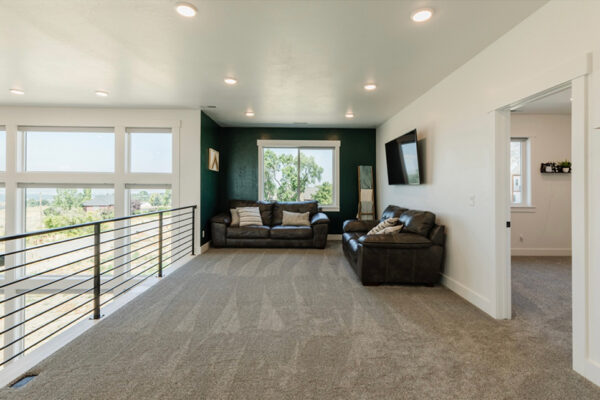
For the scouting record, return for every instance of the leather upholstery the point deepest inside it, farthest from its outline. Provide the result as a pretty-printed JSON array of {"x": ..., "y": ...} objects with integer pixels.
[
  {"x": 405, "y": 257},
  {"x": 354, "y": 225},
  {"x": 265, "y": 208},
  {"x": 419, "y": 222},
  {"x": 248, "y": 232},
  {"x": 291, "y": 232},
  {"x": 310, "y": 206},
  {"x": 271, "y": 235},
  {"x": 392, "y": 212}
]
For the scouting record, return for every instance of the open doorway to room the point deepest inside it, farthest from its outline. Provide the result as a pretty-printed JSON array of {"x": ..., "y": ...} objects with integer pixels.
[{"x": 540, "y": 194}]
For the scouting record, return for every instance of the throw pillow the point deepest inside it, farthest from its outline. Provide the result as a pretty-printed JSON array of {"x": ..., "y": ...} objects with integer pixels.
[
  {"x": 235, "y": 217},
  {"x": 249, "y": 216},
  {"x": 390, "y": 230},
  {"x": 382, "y": 225},
  {"x": 295, "y": 219}
]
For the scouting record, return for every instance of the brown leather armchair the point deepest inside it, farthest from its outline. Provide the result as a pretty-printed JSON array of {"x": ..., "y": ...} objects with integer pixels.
[{"x": 414, "y": 255}]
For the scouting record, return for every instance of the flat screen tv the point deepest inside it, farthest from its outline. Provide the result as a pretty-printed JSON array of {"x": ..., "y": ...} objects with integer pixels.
[{"x": 403, "y": 160}]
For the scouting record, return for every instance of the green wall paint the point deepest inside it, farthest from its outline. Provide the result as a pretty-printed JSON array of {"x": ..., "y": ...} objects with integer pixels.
[
  {"x": 211, "y": 181},
  {"x": 239, "y": 163}
]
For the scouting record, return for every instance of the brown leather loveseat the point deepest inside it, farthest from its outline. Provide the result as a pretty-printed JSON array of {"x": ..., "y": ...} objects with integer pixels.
[
  {"x": 271, "y": 233},
  {"x": 415, "y": 255}
]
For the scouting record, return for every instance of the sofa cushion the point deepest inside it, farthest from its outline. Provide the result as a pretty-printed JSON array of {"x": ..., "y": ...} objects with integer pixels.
[
  {"x": 249, "y": 216},
  {"x": 396, "y": 241},
  {"x": 386, "y": 223},
  {"x": 291, "y": 232},
  {"x": 419, "y": 222},
  {"x": 248, "y": 232},
  {"x": 310, "y": 206},
  {"x": 392, "y": 212},
  {"x": 265, "y": 207},
  {"x": 295, "y": 219}
]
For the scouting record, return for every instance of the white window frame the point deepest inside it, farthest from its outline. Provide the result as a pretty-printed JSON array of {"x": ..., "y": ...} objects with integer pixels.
[
  {"x": 303, "y": 144},
  {"x": 525, "y": 144}
]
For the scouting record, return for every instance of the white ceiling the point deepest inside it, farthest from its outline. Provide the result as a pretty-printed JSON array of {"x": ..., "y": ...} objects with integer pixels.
[
  {"x": 296, "y": 61},
  {"x": 557, "y": 103}
]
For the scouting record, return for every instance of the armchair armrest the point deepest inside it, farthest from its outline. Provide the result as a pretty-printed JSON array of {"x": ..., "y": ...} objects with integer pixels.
[
  {"x": 438, "y": 235},
  {"x": 223, "y": 218},
  {"x": 354, "y": 225},
  {"x": 319, "y": 218}
]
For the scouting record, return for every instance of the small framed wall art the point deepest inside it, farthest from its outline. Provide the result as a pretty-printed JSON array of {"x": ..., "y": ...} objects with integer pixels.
[{"x": 213, "y": 160}]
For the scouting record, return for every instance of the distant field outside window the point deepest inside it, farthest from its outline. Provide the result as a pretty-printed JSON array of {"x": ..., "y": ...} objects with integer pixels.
[
  {"x": 2, "y": 149},
  {"x": 69, "y": 150},
  {"x": 151, "y": 152},
  {"x": 47, "y": 208}
]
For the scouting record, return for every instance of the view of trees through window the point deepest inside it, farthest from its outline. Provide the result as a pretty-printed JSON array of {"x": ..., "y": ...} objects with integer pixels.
[{"x": 292, "y": 174}]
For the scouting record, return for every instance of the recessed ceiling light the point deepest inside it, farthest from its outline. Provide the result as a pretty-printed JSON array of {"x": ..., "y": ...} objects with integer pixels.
[
  {"x": 249, "y": 113},
  {"x": 230, "y": 81},
  {"x": 422, "y": 15},
  {"x": 101, "y": 93},
  {"x": 186, "y": 9},
  {"x": 17, "y": 91},
  {"x": 349, "y": 114},
  {"x": 370, "y": 86}
]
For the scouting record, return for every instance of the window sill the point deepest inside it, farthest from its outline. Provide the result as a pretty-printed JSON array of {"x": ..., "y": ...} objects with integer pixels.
[
  {"x": 330, "y": 208},
  {"x": 522, "y": 209}
]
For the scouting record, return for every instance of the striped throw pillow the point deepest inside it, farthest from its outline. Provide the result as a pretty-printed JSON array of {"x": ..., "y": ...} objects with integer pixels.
[
  {"x": 391, "y": 229},
  {"x": 382, "y": 225},
  {"x": 249, "y": 216}
]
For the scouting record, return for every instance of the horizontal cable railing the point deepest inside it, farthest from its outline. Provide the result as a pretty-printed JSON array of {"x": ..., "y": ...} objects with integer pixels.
[{"x": 53, "y": 278}]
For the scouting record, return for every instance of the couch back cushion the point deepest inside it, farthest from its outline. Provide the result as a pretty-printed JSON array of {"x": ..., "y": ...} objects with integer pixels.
[
  {"x": 419, "y": 222},
  {"x": 310, "y": 206},
  {"x": 392, "y": 212},
  {"x": 265, "y": 207}
]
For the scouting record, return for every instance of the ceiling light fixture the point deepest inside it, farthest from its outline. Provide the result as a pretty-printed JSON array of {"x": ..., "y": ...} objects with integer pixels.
[
  {"x": 230, "y": 81},
  {"x": 186, "y": 9},
  {"x": 101, "y": 93},
  {"x": 422, "y": 15},
  {"x": 17, "y": 91},
  {"x": 349, "y": 114},
  {"x": 249, "y": 113},
  {"x": 370, "y": 87}
]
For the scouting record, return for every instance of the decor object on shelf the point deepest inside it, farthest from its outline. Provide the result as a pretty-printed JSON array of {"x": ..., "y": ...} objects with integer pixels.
[
  {"x": 566, "y": 166},
  {"x": 213, "y": 160},
  {"x": 366, "y": 193},
  {"x": 562, "y": 167}
]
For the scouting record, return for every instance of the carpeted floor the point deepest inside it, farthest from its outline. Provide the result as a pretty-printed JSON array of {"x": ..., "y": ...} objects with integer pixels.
[{"x": 296, "y": 324}]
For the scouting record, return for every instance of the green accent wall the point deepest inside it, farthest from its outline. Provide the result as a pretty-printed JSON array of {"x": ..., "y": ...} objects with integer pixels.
[
  {"x": 210, "y": 181},
  {"x": 239, "y": 163}
]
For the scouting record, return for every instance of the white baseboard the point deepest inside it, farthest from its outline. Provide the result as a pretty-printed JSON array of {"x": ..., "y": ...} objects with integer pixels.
[
  {"x": 468, "y": 294},
  {"x": 205, "y": 247},
  {"x": 334, "y": 237},
  {"x": 541, "y": 252}
]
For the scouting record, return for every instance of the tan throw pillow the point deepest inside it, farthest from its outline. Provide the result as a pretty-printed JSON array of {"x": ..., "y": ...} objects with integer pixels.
[
  {"x": 249, "y": 216},
  {"x": 235, "y": 217},
  {"x": 382, "y": 225},
  {"x": 390, "y": 230},
  {"x": 295, "y": 219}
]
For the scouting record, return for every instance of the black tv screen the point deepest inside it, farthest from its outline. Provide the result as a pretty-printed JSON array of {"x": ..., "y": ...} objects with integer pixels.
[{"x": 403, "y": 160}]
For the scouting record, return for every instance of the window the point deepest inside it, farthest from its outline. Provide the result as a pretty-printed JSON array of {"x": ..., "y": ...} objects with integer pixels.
[
  {"x": 2, "y": 222},
  {"x": 150, "y": 150},
  {"x": 300, "y": 170},
  {"x": 69, "y": 149},
  {"x": 519, "y": 171},
  {"x": 2, "y": 148}
]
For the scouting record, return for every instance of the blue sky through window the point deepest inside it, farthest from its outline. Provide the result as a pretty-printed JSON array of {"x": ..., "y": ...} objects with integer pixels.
[{"x": 151, "y": 152}]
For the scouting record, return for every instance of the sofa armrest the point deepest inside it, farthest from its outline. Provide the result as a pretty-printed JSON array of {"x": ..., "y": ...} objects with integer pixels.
[
  {"x": 395, "y": 241},
  {"x": 354, "y": 225},
  {"x": 223, "y": 218},
  {"x": 438, "y": 235},
  {"x": 319, "y": 218}
]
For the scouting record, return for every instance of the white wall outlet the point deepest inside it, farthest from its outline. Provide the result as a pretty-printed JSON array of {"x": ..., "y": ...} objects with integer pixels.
[
  {"x": 472, "y": 200},
  {"x": 521, "y": 238},
  {"x": 203, "y": 233}
]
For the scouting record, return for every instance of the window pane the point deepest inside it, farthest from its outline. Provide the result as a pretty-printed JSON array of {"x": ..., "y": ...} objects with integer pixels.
[
  {"x": 70, "y": 151},
  {"x": 2, "y": 221},
  {"x": 515, "y": 158},
  {"x": 316, "y": 175},
  {"x": 2, "y": 149},
  {"x": 516, "y": 168},
  {"x": 148, "y": 200},
  {"x": 280, "y": 168},
  {"x": 48, "y": 208},
  {"x": 151, "y": 152}
]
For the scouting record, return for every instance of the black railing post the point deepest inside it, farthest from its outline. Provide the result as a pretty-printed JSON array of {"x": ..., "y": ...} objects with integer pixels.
[
  {"x": 97, "y": 271},
  {"x": 193, "y": 229},
  {"x": 160, "y": 244}
]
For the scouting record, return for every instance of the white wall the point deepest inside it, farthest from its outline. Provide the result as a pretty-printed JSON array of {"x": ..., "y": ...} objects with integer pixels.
[
  {"x": 545, "y": 228},
  {"x": 188, "y": 121},
  {"x": 456, "y": 120}
]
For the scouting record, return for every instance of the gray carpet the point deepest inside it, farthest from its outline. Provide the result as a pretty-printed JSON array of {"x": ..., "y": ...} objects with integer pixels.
[{"x": 296, "y": 324}]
